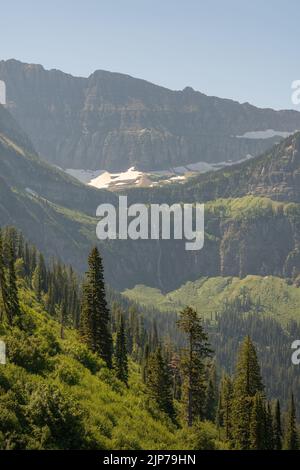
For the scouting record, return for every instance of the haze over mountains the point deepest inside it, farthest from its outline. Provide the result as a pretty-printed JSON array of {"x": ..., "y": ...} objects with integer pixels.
[
  {"x": 111, "y": 121},
  {"x": 246, "y": 231}
]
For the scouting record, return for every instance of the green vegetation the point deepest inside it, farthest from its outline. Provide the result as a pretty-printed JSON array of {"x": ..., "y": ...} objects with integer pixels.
[
  {"x": 64, "y": 387},
  {"x": 276, "y": 296}
]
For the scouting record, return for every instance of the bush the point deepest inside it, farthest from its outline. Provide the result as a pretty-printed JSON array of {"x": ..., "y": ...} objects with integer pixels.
[
  {"x": 33, "y": 352},
  {"x": 67, "y": 372},
  {"x": 87, "y": 358},
  {"x": 55, "y": 417}
]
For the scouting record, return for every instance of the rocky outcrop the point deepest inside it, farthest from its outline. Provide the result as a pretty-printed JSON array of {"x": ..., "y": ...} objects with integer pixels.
[
  {"x": 275, "y": 174},
  {"x": 113, "y": 121}
]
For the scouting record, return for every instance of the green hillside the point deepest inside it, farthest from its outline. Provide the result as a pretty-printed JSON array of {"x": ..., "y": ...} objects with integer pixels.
[
  {"x": 274, "y": 296},
  {"x": 84, "y": 374},
  {"x": 55, "y": 393}
]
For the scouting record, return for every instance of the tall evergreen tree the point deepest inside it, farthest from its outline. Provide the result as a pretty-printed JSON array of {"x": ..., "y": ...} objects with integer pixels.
[
  {"x": 247, "y": 383},
  {"x": 159, "y": 382},
  {"x": 12, "y": 290},
  {"x": 257, "y": 423},
  {"x": 37, "y": 282},
  {"x": 277, "y": 427},
  {"x": 211, "y": 399},
  {"x": 121, "y": 360},
  {"x": 268, "y": 428},
  {"x": 224, "y": 412},
  {"x": 95, "y": 316},
  {"x": 291, "y": 433},
  {"x": 193, "y": 363},
  {"x": 3, "y": 283}
]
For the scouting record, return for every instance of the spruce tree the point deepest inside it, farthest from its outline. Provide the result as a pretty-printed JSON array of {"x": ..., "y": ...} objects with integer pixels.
[
  {"x": 268, "y": 428},
  {"x": 277, "y": 427},
  {"x": 291, "y": 434},
  {"x": 12, "y": 290},
  {"x": 37, "y": 282},
  {"x": 3, "y": 283},
  {"x": 224, "y": 412},
  {"x": 247, "y": 383},
  {"x": 211, "y": 399},
  {"x": 159, "y": 382},
  {"x": 257, "y": 423},
  {"x": 95, "y": 316},
  {"x": 193, "y": 364},
  {"x": 121, "y": 360}
]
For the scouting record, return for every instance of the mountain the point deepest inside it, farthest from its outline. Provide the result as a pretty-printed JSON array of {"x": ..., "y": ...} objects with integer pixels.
[
  {"x": 244, "y": 235},
  {"x": 52, "y": 209},
  {"x": 274, "y": 174},
  {"x": 112, "y": 121}
]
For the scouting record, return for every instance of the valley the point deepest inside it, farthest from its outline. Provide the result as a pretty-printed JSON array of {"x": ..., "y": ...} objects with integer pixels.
[{"x": 149, "y": 231}]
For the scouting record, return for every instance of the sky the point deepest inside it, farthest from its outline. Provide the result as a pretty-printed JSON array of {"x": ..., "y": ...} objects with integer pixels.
[{"x": 247, "y": 50}]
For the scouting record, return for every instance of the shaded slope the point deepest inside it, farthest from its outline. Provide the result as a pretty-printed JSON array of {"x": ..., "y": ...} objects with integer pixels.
[{"x": 113, "y": 121}]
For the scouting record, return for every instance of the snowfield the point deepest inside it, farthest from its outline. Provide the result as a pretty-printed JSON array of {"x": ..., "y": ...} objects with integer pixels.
[
  {"x": 102, "y": 179},
  {"x": 267, "y": 134}
]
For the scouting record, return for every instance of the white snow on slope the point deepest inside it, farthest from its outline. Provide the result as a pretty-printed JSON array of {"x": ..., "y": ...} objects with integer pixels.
[
  {"x": 106, "y": 179},
  {"x": 102, "y": 179},
  {"x": 267, "y": 134}
]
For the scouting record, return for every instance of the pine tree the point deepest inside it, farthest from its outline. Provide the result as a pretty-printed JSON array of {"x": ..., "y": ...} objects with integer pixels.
[
  {"x": 211, "y": 399},
  {"x": 277, "y": 427},
  {"x": 95, "y": 316},
  {"x": 63, "y": 314},
  {"x": 43, "y": 272},
  {"x": 12, "y": 290},
  {"x": 224, "y": 412},
  {"x": 145, "y": 360},
  {"x": 37, "y": 282},
  {"x": 257, "y": 423},
  {"x": 159, "y": 382},
  {"x": 193, "y": 363},
  {"x": 121, "y": 360},
  {"x": 268, "y": 428},
  {"x": 247, "y": 383},
  {"x": 3, "y": 283},
  {"x": 291, "y": 434}
]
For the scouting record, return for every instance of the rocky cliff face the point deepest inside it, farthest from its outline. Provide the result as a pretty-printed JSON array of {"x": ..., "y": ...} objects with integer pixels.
[
  {"x": 275, "y": 174},
  {"x": 250, "y": 235},
  {"x": 113, "y": 121}
]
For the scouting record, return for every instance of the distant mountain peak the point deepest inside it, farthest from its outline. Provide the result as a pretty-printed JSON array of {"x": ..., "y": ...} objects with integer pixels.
[{"x": 96, "y": 122}]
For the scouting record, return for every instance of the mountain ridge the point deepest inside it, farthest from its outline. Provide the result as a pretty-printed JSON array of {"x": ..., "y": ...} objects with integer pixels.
[{"x": 114, "y": 121}]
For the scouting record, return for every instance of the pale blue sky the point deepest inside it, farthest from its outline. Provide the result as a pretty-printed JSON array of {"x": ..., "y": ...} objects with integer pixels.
[{"x": 247, "y": 50}]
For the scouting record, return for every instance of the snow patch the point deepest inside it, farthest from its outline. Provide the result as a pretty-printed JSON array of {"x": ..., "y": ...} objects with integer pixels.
[
  {"x": 267, "y": 134},
  {"x": 103, "y": 179},
  {"x": 106, "y": 179}
]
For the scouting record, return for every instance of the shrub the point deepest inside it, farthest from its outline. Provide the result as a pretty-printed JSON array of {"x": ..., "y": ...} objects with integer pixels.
[
  {"x": 60, "y": 413},
  {"x": 67, "y": 372},
  {"x": 87, "y": 358},
  {"x": 33, "y": 352}
]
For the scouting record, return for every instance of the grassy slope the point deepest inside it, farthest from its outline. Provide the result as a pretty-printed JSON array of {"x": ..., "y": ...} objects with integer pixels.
[
  {"x": 208, "y": 295},
  {"x": 45, "y": 373}
]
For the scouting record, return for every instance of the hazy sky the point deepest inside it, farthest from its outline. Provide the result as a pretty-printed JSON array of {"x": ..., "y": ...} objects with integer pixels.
[{"x": 247, "y": 50}]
